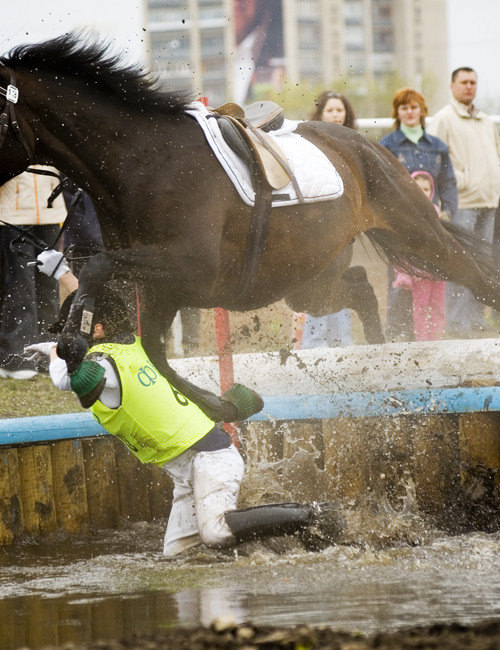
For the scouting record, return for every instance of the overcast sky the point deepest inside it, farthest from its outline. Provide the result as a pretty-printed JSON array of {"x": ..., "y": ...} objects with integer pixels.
[{"x": 473, "y": 31}]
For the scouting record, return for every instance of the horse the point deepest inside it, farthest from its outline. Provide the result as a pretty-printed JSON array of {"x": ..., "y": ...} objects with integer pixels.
[{"x": 172, "y": 221}]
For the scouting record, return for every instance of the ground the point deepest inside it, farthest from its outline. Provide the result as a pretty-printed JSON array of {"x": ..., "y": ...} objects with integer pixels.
[{"x": 484, "y": 636}]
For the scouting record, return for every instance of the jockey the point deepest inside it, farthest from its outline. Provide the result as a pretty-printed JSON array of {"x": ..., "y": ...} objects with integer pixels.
[{"x": 129, "y": 397}]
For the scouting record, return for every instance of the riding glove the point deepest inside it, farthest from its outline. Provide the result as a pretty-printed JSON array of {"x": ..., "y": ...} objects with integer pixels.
[
  {"x": 52, "y": 263},
  {"x": 39, "y": 350}
]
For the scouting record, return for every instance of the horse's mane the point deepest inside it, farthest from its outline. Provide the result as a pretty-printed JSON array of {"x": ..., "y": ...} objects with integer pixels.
[{"x": 77, "y": 55}]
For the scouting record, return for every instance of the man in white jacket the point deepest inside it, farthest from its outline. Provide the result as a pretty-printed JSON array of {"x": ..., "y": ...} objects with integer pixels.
[
  {"x": 29, "y": 301},
  {"x": 474, "y": 147}
]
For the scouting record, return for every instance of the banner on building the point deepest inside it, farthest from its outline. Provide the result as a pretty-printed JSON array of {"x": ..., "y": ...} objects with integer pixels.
[{"x": 259, "y": 56}]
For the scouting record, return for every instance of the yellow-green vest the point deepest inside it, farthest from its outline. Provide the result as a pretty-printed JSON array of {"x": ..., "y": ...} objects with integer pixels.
[{"x": 156, "y": 422}]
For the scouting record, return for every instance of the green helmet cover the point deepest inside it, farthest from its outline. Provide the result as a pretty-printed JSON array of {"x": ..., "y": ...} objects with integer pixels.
[{"x": 87, "y": 376}]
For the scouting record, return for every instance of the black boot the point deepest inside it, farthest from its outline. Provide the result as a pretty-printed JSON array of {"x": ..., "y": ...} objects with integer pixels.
[
  {"x": 318, "y": 525},
  {"x": 268, "y": 520}
]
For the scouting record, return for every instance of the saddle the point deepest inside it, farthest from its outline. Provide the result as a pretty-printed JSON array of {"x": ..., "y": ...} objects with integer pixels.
[{"x": 246, "y": 132}]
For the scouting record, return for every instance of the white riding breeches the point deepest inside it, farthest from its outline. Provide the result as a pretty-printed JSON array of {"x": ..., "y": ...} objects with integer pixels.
[{"x": 206, "y": 485}]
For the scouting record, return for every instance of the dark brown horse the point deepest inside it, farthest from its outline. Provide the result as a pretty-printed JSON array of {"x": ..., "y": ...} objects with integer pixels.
[{"x": 172, "y": 220}]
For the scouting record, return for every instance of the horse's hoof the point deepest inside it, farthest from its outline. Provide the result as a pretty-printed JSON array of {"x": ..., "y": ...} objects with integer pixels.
[
  {"x": 73, "y": 351},
  {"x": 246, "y": 401}
]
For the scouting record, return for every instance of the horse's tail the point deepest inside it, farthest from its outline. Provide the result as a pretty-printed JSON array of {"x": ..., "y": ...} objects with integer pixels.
[{"x": 485, "y": 255}]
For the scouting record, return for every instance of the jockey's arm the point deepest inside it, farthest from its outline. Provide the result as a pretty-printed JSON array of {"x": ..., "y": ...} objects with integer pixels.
[{"x": 53, "y": 264}]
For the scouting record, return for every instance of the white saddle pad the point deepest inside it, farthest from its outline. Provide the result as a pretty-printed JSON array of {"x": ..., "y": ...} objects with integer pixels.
[{"x": 317, "y": 177}]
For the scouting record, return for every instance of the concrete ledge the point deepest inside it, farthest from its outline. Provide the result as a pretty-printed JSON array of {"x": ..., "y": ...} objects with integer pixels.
[{"x": 362, "y": 368}]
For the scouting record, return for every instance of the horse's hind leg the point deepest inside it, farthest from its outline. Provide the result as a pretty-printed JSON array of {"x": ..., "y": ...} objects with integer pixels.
[
  {"x": 334, "y": 290},
  {"x": 359, "y": 295}
]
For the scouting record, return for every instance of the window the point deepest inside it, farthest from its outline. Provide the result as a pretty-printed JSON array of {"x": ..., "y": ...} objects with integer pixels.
[
  {"x": 212, "y": 43},
  {"x": 353, "y": 11},
  {"x": 382, "y": 12},
  {"x": 308, "y": 9},
  {"x": 383, "y": 39},
  {"x": 166, "y": 48},
  {"x": 354, "y": 38},
  {"x": 211, "y": 11},
  {"x": 168, "y": 14},
  {"x": 177, "y": 76},
  {"x": 383, "y": 63},
  {"x": 309, "y": 36}
]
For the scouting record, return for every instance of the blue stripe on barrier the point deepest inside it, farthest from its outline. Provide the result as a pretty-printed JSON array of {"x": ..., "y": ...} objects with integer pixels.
[
  {"x": 360, "y": 404},
  {"x": 290, "y": 407},
  {"x": 47, "y": 428}
]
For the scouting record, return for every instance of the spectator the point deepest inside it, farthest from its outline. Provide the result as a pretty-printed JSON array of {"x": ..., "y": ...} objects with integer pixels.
[
  {"x": 417, "y": 151},
  {"x": 429, "y": 315},
  {"x": 474, "y": 145},
  {"x": 334, "y": 108},
  {"x": 334, "y": 329},
  {"x": 29, "y": 301}
]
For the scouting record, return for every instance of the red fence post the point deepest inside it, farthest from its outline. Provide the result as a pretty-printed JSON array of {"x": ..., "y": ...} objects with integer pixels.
[
  {"x": 224, "y": 350},
  {"x": 225, "y": 354}
]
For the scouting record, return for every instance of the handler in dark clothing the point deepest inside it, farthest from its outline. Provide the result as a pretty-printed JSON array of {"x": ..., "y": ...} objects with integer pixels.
[{"x": 417, "y": 151}]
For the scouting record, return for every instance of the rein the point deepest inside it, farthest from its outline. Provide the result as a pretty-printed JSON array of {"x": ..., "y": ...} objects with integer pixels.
[{"x": 8, "y": 116}]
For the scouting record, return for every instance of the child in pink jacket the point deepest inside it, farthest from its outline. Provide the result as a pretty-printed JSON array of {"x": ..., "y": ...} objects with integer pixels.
[{"x": 429, "y": 316}]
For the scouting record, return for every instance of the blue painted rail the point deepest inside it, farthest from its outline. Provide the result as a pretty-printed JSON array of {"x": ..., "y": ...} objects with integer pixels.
[{"x": 292, "y": 407}]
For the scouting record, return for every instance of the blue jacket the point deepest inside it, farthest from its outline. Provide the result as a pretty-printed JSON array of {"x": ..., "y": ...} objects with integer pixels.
[{"x": 430, "y": 155}]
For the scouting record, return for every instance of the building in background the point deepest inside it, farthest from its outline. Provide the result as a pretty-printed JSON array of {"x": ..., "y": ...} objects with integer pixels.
[{"x": 224, "y": 48}]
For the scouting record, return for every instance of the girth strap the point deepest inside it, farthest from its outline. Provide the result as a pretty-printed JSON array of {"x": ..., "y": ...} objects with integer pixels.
[
  {"x": 257, "y": 234},
  {"x": 261, "y": 210}
]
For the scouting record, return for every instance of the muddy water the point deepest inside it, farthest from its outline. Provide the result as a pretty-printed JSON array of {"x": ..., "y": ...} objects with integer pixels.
[{"x": 115, "y": 584}]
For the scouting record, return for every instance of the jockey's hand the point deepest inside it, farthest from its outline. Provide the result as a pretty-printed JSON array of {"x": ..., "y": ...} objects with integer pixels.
[
  {"x": 52, "y": 263},
  {"x": 39, "y": 350}
]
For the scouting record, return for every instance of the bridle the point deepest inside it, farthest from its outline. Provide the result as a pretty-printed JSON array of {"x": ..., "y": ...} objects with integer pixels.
[
  {"x": 8, "y": 116},
  {"x": 8, "y": 120}
]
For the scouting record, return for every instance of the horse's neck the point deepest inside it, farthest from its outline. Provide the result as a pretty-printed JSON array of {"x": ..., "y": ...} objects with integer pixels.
[{"x": 76, "y": 133}]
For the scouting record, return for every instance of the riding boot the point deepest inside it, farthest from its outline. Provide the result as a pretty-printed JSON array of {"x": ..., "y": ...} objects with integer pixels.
[{"x": 268, "y": 520}]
